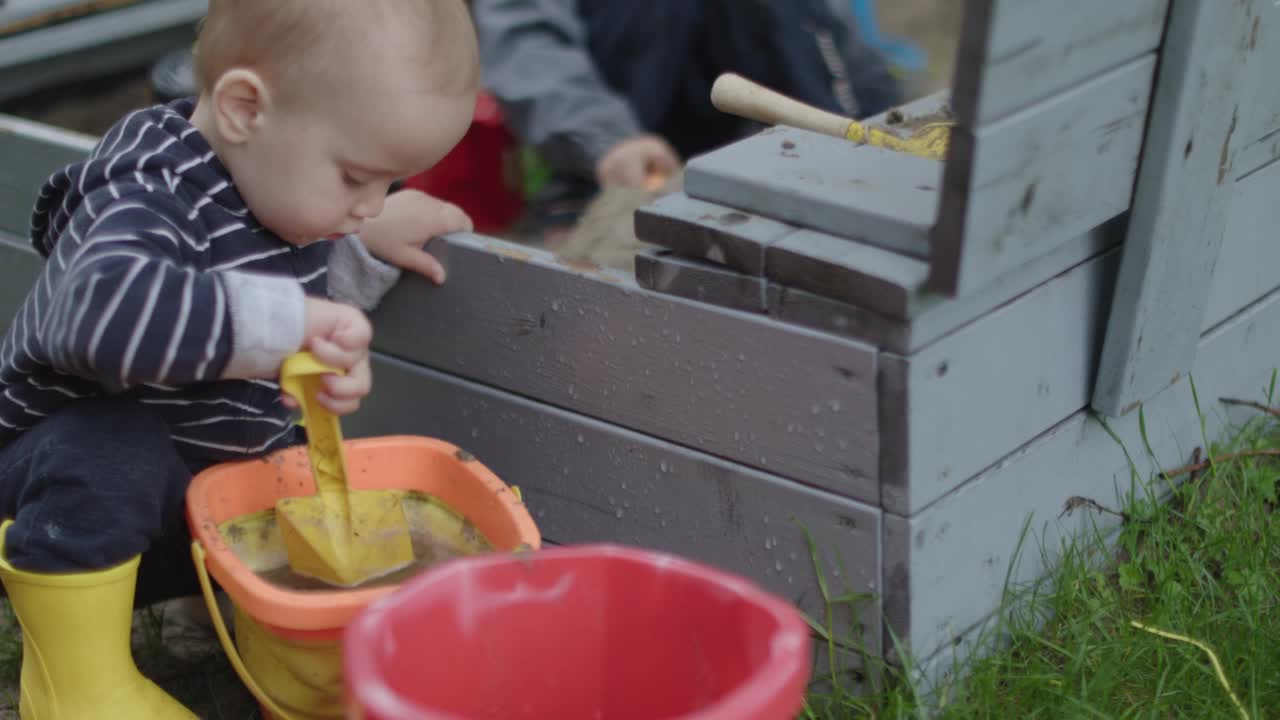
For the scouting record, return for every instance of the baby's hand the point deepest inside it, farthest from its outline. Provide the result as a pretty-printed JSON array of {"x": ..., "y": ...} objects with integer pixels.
[
  {"x": 339, "y": 335},
  {"x": 410, "y": 219}
]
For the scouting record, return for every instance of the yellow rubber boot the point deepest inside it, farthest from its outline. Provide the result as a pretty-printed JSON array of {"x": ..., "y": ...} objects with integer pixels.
[{"x": 76, "y": 658}]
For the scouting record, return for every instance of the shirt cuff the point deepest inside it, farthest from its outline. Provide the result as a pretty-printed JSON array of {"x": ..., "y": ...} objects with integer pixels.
[
  {"x": 268, "y": 319},
  {"x": 356, "y": 277}
]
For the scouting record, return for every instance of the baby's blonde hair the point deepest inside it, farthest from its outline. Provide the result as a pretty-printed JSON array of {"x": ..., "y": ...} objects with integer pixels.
[{"x": 282, "y": 38}]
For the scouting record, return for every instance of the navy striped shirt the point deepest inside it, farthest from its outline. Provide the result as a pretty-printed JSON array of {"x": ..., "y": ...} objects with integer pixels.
[{"x": 159, "y": 284}]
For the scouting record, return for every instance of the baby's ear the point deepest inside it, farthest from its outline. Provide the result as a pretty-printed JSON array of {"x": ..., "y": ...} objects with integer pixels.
[{"x": 240, "y": 98}]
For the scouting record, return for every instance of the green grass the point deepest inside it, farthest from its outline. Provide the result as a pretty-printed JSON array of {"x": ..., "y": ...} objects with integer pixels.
[{"x": 1204, "y": 565}]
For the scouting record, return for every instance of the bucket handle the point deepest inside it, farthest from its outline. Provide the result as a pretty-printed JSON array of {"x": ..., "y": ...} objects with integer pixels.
[{"x": 224, "y": 637}]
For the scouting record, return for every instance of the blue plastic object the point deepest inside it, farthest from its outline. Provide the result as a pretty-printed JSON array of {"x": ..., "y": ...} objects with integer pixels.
[{"x": 899, "y": 53}]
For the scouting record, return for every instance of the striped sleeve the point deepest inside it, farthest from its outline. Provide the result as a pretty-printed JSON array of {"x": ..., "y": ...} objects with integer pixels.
[{"x": 127, "y": 309}]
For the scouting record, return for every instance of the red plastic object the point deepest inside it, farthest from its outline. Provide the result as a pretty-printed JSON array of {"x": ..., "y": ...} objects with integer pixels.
[
  {"x": 481, "y": 174},
  {"x": 591, "y": 632}
]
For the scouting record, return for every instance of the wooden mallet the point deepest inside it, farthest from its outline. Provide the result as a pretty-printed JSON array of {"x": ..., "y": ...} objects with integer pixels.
[{"x": 739, "y": 96}]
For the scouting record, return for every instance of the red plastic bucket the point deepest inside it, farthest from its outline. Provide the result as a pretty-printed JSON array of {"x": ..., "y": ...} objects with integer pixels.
[
  {"x": 592, "y": 632},
  {"x": 482, "y": 174}
]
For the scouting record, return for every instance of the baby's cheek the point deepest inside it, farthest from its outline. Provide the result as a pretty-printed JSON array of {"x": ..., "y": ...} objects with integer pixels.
[{"x": 324, "y": 211}]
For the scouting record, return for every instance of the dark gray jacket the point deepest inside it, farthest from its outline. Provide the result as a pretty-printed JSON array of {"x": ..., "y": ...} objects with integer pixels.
[{"x": 574, "y": 77}]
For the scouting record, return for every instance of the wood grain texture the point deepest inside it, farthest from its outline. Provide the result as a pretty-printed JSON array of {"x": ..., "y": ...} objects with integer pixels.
[
  {"x": 588, "y": 481},
  {"x": 1015, "y": 53},
  {"x": 1250, "y": 255},
  {"x": 879, "y": 280},
  {"x": 958, "y": 406},
  {"x": 1018, "y": 188},
  {"x": 946, "y": 567},
  {"x": 665, "y": 272},
  {"x": 937, "y": 316},
  {"x": 1262, "y": 119},
  {"x": 1260, "y": 127},
  {"x": 1180, "y": 206},
  {"x": 1258, "y": 155},
  {"x": 824, "y": 183},
  {"x": 787, "y": 400},
  {"x": 707, "y": 231}
]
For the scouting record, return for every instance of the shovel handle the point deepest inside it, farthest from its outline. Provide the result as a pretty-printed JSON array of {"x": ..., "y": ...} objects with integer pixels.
[
  {"x": 739, "y": 96},
  {"x": 733, "y": 94},
  {"x": 300, "y": 376}
]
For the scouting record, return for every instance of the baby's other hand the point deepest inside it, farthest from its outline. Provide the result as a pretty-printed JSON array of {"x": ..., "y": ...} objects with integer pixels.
[
  {"x": 409, "y": 220},
  {"x": 339, "y": 336}
]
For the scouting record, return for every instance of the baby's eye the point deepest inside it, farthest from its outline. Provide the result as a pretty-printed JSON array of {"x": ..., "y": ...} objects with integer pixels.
[{"x": 351, "y": 181}]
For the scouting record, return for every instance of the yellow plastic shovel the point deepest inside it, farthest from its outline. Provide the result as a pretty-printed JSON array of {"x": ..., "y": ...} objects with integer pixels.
[{"x": 340, "y": 536}]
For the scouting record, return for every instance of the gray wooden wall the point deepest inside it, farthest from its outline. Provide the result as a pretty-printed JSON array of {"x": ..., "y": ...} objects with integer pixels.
[{"x": 991, "y": 283}]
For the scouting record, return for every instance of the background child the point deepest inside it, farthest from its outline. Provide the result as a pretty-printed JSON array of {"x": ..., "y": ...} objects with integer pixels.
[
  {"x": 609, "y": 90},
  {"x": 186, "y": 257}
]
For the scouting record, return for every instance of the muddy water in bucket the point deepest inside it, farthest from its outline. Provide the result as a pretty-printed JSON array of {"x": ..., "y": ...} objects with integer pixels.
[
  {"x": 438, "y": 534},
  {"x": 304, "y": 673},
  {"x": 287, "y": 645}
]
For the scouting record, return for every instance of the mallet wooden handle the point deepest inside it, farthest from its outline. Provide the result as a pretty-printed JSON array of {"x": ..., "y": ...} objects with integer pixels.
[
  {"x": 736, "y": 95},
  {"x": 739, "y": 96}
]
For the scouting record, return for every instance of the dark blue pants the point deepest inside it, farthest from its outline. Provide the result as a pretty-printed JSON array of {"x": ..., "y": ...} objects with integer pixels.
[{"x": 94, "y": 485}]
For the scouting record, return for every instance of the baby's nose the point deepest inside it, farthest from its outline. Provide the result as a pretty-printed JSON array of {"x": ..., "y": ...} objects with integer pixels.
[{"x": 370, "y": 206}]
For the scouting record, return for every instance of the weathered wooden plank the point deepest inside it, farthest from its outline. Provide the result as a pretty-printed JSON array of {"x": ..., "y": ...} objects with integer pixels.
[
  {"x": 1246, "y": 267},
  {"x": 885, "y": 282},
  {"x": 586, "y": 481},
  {"x": 1015, "y": 53},
  {"x": 946, "y": 567},
  {"x": 1017, "y": 188},
  {"x": 788, "y": 400},
  {"x": 957, "y": 407},
  {"x": 824, "y": 183},
  {"x": 96, "y": 45},
  {"x": 711, "y": 232},
  {"x": 1257, "y": 155},
  {"x": 738, "y": 239},
  {"x": 1180, "y": 206},
  {"x": 1263, "y": 117},
  {"x": 26, "y": 15},
  {"x": 665, "y": 272},
  {"x": 939, "y": 316},
  {"x": 805, "y": 309},
  {"x": 1260, "y": 128},
  {"x": 30, "y": 153}
]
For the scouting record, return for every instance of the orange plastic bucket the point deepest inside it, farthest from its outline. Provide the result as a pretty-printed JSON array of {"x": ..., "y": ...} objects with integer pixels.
[{"x": 288, "y": 648}]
